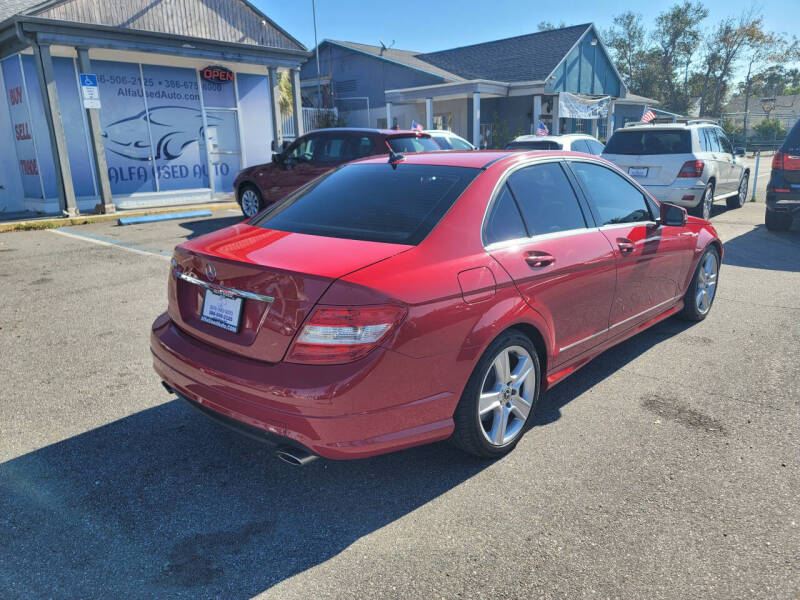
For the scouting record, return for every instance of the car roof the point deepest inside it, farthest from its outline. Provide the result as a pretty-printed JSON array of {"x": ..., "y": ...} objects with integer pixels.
[
  {"x": 679, "y": 125},
  {"x": 386, "y": 132},
  {"x": 476, "y": 159},
  {"x": 553, "y": 138}
]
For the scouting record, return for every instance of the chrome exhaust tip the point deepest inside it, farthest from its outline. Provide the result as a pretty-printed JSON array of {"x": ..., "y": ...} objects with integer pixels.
[{"x": 295, "y": 456}]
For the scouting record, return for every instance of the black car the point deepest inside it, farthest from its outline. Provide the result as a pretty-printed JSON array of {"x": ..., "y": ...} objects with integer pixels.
[{"x": 783, "y": 189}]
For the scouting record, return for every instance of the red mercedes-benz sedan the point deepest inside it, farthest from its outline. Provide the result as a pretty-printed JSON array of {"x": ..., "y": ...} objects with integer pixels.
[{"x": 390, "y": 304}]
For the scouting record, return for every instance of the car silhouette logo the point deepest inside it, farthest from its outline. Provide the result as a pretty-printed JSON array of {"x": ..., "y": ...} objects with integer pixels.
[{"x": 211, "y": 272}]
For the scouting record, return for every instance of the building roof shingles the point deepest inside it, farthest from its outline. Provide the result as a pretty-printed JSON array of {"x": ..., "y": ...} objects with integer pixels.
[
  {"x": 530, "y": 57},
  {"x": 10, "y": 8}
]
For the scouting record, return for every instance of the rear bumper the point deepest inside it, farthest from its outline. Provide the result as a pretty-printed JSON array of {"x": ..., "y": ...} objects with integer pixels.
[
  {"x": 782, "y": 202},
  {"x": 382, "y": 403},
  {"x": 678, "y": 195}
]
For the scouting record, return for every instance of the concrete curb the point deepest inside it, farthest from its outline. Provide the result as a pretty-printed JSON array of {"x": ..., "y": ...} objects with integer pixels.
[{"x": 50, "y": 223}]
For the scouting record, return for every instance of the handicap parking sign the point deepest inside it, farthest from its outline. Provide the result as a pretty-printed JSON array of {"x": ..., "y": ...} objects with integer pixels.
[{"x": 90, "y": 90}]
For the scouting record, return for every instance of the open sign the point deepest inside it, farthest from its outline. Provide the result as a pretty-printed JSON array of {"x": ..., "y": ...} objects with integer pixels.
[{"x": 217, "y": 74}]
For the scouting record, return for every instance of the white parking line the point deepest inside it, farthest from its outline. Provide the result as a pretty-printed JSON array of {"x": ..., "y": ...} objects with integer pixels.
[{"x": 104, "y": 241}]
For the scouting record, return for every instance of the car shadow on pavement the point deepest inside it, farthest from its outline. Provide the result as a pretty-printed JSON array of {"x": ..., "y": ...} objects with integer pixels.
[
  {"x": 204, "y": 226},
  {"x": 760, "y": 248},
  {"x": 606, "y": 364},
  {"x": 165, "y": 503}
]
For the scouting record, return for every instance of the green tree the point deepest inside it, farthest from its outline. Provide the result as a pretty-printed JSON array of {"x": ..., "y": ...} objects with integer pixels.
[
  {"x": 286, "y": 98},
  {"x": 548, "y": 26},
  {"x": 769, "y": 130}
]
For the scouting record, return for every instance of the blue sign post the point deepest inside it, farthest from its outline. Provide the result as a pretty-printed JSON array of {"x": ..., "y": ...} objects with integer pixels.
[{"x": 90, "y": 90}]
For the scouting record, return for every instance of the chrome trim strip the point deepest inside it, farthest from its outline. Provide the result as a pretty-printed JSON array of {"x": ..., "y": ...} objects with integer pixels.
[
  {"x": 631, "y": 224},
  {"x": 594, "y": 335},
  {"x": 644, "y": 312},
  {"x": 215, "y": 287},
  {"x": 541, "y": 236},
  {"x": 586, "y": 339}
]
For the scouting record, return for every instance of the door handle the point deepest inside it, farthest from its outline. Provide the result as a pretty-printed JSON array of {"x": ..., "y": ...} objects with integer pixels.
[
  {"x": 625, "y": 245},
  {"x": 539, "y": 259}
]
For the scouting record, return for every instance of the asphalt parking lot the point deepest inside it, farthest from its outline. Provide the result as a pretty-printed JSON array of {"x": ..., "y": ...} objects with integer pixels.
[{"x": 666, "y": 468}]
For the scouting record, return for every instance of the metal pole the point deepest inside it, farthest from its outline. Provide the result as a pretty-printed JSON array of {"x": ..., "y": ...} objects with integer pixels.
[
  {"x": 755, "y": 177},
  {"x": 316, "y": 44}
]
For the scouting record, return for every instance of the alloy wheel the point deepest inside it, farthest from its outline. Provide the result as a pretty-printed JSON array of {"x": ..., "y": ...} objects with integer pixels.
[
  {"x": 743, "y": 190},
  {"x": 250, "y": 203},
  {"x": 506, "y": 395},
  {"x": 708, "y": 200},
  {"x": 706, "y": 283}
]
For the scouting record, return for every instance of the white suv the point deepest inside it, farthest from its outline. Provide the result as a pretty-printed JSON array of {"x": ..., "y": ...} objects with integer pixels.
[
  {"x": 690, "y": 164},
  {"x": 574, "y": 142}
]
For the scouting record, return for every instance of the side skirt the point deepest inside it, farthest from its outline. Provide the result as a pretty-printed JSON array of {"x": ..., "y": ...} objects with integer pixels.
[{"x": 581, "y": 360}]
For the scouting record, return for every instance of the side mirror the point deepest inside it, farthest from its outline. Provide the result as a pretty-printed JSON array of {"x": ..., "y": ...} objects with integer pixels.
[
  {"x": 277, "y": 158},
  {"x": 285, "y": 145},
  {"x": 739, "y": 152},
  {"x": 672, "y": 215}
]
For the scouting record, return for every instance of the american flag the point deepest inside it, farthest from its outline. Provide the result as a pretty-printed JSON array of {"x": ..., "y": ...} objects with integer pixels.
[
  {"x": 541, "y": 129},
  {"x": 648, "y": 115},
  {"x": 416, "y": 126}
]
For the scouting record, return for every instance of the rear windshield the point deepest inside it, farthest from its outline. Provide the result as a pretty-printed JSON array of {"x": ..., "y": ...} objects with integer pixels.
[
  {"x": 792, "y": 142},
  {"x": 543, "y": 145},
  {"x": 650, "y": 142},
  {"x": 372, "y": 202},
  {"x": 413, "y": 144}
]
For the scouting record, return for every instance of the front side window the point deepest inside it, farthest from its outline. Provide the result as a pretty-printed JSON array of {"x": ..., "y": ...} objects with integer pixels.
[
  {"x": 504, "y": 222},
  {"x": 459, "y": 144},
  {"x": 724, "y": 142},
  {"x": 413, "y": 144},
  {"x": 398, "y": 204},
  {"x": 595, "y": 147},
  {"x": 303, "y": 149},
  {"x": 546, "y": 199},
  {"x": 362, "y": 146},
  {"x": 613, "y": 197}
]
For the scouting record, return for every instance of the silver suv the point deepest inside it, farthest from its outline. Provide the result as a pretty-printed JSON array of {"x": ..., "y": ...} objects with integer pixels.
[{"x": 690, "y": 164}]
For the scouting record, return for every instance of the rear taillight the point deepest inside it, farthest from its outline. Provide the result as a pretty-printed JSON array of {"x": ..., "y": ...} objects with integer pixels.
[
  {"x": 783, "y": 161},
  {"x": 692, "y": 168},
  {"x": 334, "y": 335}
]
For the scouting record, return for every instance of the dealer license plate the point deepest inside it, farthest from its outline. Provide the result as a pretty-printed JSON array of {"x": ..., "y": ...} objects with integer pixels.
[
  {"x": 222, "y": 310},
  {"x": 638, "y": 171}
]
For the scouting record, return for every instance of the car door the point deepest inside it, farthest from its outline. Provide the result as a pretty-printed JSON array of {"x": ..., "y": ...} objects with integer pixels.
[
  {"x": 733, "y": 170},
  {"x": 562, "y": 265},
  {"x": 721, "y": 163},
  {"x": 651, "y": 260}
]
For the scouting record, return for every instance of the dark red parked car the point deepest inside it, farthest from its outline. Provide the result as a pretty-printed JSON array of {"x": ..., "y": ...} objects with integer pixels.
[
  {"x": 316, "y": 153},
  {"x": 387, "y": 305}
]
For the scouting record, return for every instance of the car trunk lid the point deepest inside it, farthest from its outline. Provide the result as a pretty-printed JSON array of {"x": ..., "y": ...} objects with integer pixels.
[
  {"x": 291, "y": 268},
  {"x": 651, "y": 169}
]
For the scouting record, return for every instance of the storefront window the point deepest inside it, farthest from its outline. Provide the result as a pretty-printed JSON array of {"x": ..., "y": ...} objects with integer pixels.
[
  {"x": 219, "y": 95},
  {"x": 176, "y": 127},
  {"x": 126, "y": 135},
  {"x": 22, "y": 127}
]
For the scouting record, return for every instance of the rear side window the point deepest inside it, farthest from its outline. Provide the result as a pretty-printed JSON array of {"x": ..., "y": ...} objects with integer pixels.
[
  {"x": 546, "y": 199},
  {"x": 413, "y": 144},
  {"x": 362, "y": 146},
  {"x": 664, "y": 141},
  {"x": 443, "y": 142},
  {"x": 595, "y": 147},
  {"x": 533, "y": 145},
  {"x": 614, "y": 198},
  {"x": 372, "y": 202},
  {"x": 504, "y": 222}
]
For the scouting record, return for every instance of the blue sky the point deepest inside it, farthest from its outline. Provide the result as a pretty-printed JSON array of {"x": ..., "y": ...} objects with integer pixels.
[{"x": 439, "y": 24}]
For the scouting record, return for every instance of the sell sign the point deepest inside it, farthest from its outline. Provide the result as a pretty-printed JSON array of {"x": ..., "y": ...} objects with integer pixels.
[{"x": 217, "y": 74}]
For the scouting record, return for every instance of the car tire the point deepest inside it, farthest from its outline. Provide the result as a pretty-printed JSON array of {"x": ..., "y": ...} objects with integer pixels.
[
  {"x": 703, "y": 208},
  {"x": 507, "y": 406},
  {"x": 250, "y": 200},
  {"x": 739, "y": 199},
  {"x": 776, "y": 221},
  {"x": 702, "y": 290}
]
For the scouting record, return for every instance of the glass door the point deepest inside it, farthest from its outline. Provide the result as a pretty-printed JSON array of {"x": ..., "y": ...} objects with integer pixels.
[{"x": 224, "y": 148}]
